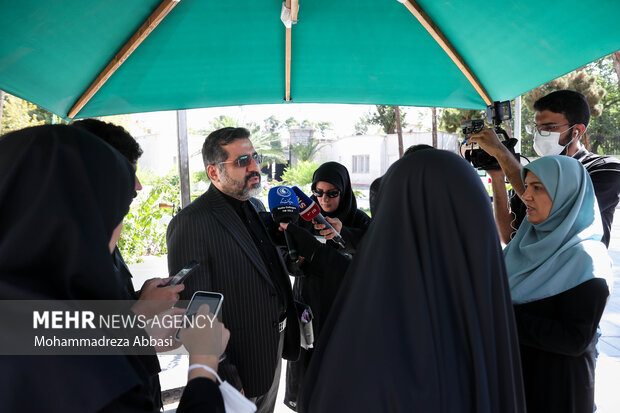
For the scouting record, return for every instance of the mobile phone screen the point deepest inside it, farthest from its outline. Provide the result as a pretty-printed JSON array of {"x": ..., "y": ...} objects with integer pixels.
[
  {"x": 183, "y": 274},
  {"x": 214, "y": 300}
]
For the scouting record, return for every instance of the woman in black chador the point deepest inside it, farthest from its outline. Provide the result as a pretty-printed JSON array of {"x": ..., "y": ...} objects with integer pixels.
[
  {"x": 63, "y": 196},
  {"x": 319, "y": 280},
  {"x": 423, "y": 321},
  {"x": 557, "y": 267}
]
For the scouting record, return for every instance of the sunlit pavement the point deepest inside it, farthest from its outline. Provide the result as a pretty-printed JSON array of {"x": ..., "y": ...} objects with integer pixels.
[{"x": 174, "y": 368}]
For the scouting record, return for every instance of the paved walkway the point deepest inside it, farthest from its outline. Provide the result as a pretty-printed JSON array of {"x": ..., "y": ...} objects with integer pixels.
[
  {"x": 174, "y": 368},
  {"x": 608, "y": 368}
]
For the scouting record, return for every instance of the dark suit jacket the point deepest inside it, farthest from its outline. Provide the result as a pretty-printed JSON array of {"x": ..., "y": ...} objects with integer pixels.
[{"x": 209, "y": 231}]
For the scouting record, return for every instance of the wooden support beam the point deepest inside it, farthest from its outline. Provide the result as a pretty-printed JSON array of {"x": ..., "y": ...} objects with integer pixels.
[
  {"x": 287, "y": 65},
  {"x": 445, "y": 44},
  {"x": 294, "y": 10},
  {"x": 143, "y": 32},
  {"x": 287, "y": 55}
]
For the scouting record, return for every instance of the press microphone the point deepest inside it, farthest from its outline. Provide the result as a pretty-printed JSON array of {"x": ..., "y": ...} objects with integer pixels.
[
  {"x": 309, "y": 210},
  {"x": 284, "y": 208}
]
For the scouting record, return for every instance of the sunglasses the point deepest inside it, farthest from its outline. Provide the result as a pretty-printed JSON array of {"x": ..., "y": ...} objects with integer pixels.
[
  {"x": 246, "y": 160},
  {"x": 330, "y": 194}
]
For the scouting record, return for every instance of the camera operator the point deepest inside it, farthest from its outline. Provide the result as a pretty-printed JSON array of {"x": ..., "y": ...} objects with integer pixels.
[{"x": 561, "y": 118}]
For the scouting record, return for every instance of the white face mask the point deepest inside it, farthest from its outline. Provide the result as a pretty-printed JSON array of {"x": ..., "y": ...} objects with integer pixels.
[
  {"x": 548, "y": 145},
  {"x": 235, "y": 402}
]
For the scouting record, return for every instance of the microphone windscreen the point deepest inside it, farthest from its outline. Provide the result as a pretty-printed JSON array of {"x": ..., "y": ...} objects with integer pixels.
[
  {"x": 283, "y": 204},
  {"x": 308, "y": 209}
]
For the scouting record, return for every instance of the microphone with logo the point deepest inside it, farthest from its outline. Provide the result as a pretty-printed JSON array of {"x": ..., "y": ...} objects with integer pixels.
[
  {"x": 284, "y": 208},
  {"x": 309, "y": 210}
]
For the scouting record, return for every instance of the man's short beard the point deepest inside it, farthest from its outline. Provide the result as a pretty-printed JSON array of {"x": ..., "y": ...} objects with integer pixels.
[
  {"x": 253, "y": 190},
  {"x": 240, "y": 190}
]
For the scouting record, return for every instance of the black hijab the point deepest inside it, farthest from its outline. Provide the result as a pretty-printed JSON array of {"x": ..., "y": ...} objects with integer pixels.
[
  {"x": 62, "y": 193},
  {"x": 337, "y": 175},
  {"x": 424, "y": 320}
]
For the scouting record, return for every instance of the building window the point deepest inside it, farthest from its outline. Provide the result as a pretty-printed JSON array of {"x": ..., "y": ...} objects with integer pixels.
[{"x": 361, "y": 164}]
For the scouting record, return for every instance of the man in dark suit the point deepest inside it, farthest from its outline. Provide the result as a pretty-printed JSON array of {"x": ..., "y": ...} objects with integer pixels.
[{"x": 223, "y": 231}]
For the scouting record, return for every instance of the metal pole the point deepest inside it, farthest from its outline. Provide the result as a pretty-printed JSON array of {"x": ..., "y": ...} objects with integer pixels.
[
  {"x": 516, "y": 133},
  {"x": 434, "y": 125},
  {"x": 183, "y": 157},
  {"x": 399, "y": 131}
]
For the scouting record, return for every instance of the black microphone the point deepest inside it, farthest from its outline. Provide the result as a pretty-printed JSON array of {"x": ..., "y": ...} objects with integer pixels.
[
  {"x": 284, "y": 208},
  {"x": 310, "y": 210}
]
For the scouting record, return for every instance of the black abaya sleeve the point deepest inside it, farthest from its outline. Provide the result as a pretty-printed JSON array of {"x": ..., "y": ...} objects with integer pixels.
[
  {"x": 201, "y": 395},
  {"x": 321, "y": 260},
  {"x": 353, "y": 232},
  {"x": 564, "y": 323}
]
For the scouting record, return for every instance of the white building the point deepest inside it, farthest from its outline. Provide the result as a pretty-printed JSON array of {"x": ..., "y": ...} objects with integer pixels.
[
  {"x": 369, "y": 156},
  {"x": 161, "y": 153},
  {"x": 365, "y": 156}
]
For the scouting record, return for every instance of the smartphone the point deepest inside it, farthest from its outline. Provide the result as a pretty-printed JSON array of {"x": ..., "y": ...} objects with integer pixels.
[
  {"x": 214, "y": 300},
  {"x": 183, "y": 274}
]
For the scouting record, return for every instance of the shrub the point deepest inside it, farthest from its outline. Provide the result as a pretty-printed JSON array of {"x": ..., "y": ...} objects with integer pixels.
[
  {"x": 144, "y": 227},
  {"x": 300, "y": 174}
]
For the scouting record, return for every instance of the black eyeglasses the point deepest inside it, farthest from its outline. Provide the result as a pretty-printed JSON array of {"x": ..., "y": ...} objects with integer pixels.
[
  {"x": 330, "y": 194},
  {"x": 246, "y": 160}
]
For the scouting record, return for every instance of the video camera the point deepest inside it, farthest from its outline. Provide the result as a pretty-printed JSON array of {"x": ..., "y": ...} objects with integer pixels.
[{"x": 496, "y": 114}]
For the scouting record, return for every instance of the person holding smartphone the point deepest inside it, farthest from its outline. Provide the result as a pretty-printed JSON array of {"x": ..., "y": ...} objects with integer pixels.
[
  {"x": 56, "y": 245},
  {"x": 154, "y": 296}
]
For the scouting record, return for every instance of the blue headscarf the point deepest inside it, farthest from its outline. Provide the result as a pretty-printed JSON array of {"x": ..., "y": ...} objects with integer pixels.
[{"x": 564, "y": 250}]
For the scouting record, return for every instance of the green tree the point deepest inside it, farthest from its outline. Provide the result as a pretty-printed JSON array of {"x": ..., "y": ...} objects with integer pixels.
[
  {"x": 604, "y": 130},
  {"x": 305, "y": 152},
  {"x": 1, "y": 106},
  {"x": 18, "y": 114},
  {"x": 266, "y": 139},
  {"x": 300, "y": 174},
  {"x": 579, "y": 80},
  {"x": 450, "y": 119},
  {"x": 587, "y": 81},
  {"x": 322, "y": 127},
  {"x": 384, "y": 116},
  {"x": 361, "y": 127},
  {"x": 291, "y": 122},
  {"x": 144, "y": 227}
]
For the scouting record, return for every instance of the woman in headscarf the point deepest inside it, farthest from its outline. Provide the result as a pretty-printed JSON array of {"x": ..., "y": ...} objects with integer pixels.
[
  {"x": 320, "y": 277},
  {"x": 423, "y": 321},
  {"x": 557, "y": 268},
  {"x": 332, "y": 191},
  {"x": 63, "y": 196}
]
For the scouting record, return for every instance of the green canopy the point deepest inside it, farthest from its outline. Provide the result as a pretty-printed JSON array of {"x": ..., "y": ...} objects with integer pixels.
[{"x": 217, "y": 53}]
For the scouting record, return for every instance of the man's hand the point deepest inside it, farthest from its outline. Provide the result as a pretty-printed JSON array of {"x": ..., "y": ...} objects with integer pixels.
[
  {"x": 205, "y": 342},
  {"x": 166, "y": 335},
  {"x": 283, "y": 226},
  {"x": 488, "y": 140},
  {"x": 496, "y": 174},
  {"x": 154, "y": 298},
  {"x": 501, "y": 210},
  {"x": 207, "y": 338},
  {"x": 328, "y": 233}
]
